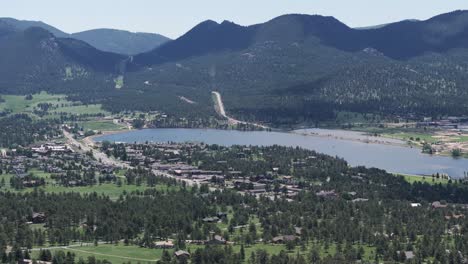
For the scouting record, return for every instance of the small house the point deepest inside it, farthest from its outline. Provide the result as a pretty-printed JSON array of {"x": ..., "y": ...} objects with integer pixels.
[
  {"x": 181, "y": 254},
  {"x": 214, "y": 219},
  {"x": 438, "y": 205},
  {"x": 217, "y": 240},
  {"x": 283, "y": 239},
  {"x": 164, "y": 244},
  {"x": 38, "y": 218}
]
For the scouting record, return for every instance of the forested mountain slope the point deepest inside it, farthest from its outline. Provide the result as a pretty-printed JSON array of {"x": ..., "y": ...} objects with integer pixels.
[
  {"x": 400, "y": 40},
  {"x": 296, "y": 68},
  {"x": 21, "y": 25},
  {"x": 292, "y": 69},
  {"x": 111, "y": 40},
  {"x": 34, "y": 60}
]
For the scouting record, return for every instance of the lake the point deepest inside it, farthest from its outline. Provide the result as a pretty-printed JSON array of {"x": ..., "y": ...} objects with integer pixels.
[{"x": 392, "y": 158}]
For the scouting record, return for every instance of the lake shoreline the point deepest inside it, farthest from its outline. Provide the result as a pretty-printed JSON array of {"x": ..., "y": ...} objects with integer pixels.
[
  {"x": 366, "y": 141},
  {"x": 381, "y": 140},
  {"x": 388, "y": 156},
  {"x": 90, "y": 141}
]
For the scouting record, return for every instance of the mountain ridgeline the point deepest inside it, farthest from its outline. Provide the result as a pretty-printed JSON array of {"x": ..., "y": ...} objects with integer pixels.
[
  {"x": 292, "y": 69},
  {"x": 121, "y": 41},
  {"x": 110, "y": 40},
  {"x": 401, "y": 40}
]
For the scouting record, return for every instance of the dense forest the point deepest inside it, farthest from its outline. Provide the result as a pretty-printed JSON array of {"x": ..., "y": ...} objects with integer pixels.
[
  {"x": 21, "y": 130},
  {"x": 350, "y": 208}
]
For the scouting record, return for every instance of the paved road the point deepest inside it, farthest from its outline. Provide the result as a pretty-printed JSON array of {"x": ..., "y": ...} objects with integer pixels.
[
  {"x": 219, "y": 107},
  {"x": 87, "y": 145},
  {"x": 67, "y": 247},
  {"x": 113, "y": 256}
]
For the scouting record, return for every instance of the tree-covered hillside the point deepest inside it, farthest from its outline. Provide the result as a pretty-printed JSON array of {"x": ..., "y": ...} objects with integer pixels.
[
  {"x": 35, "y": 60},
  {"x": 290, "y": 70},
  {"x": 110, "y": 40},
  {"x": 120, "y": 41}
]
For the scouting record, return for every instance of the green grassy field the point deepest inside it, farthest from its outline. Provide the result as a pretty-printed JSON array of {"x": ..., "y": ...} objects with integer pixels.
[
  {"x": 405, "y": 134},
  {"x": 121, "y": 253},
  {"x": 107, "y": 189},
  {"x": 101, "y": 125},
  {"x": 409, "y": 136},
  {"x": 81, "y": 109},
  {"x": 111, "y": 190},
  {"x": 119, "y": 82},
  {"x": 18, "y": 104},
  {"x": 113, "y": 253},
  {"x": 423, "y": 179}
]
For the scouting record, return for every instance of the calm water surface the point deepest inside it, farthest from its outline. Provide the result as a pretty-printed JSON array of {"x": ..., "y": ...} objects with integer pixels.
[{"x": 388, "y": 157}]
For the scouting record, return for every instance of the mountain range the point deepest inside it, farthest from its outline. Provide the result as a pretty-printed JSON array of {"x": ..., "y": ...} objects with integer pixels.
[
  {"x": 292, "y": 69},
  {"x": 401, "y": 40},
  {"x": 111, "y": 40}
]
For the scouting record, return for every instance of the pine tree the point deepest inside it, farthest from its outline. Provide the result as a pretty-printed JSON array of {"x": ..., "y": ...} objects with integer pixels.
[{"x": 242, "y": 252}]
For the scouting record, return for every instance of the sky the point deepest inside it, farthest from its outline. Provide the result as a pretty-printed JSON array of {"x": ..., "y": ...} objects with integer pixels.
[{"x": 173, "y": 18}]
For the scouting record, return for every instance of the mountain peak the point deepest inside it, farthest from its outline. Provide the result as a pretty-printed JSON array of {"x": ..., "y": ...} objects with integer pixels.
[
  {"x": 311, "y": 19},
  {"x": 21, "y": 25},
  {"x": 207, "y": 23},
  {"x": 227, "y": 22}
]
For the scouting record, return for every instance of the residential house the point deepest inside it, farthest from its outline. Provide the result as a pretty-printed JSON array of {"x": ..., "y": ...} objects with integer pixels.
[
  {"x": 164, "y": 244},
  {"x": 438, "y": 205},
  {"x": 283, "y": 239},
  {"x": 217, "y": 240},
  {"x": 181, "y": 254},
  {"x": 38, "y": 218}
]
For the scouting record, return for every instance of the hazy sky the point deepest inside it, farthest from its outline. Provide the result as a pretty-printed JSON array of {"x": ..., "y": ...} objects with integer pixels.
[{"x": 174, "y": 17}]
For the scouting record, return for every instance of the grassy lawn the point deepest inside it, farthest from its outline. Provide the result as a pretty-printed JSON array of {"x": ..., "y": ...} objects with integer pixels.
[
  {"x": 18, "y": 104},
  {"x": 80, "y": 109},
  {"x": 6, "y": 178},
  {"x": 100, "y": 125},
  {"x": 462, "y": 139},
  {"x": 37, "y": 226},
  {"x": 119, "y": 82},
  {"x": 270, "y": 248},
  {"x": 107, "y": 189},
  {"x": 423, "y": 179},
  {"x": 113, "y": 253},
  {"x": 120, "y": 253},
  {"x": 39, "y": 173},
  {"x": 407, "y": 136},
  {"x": 402, "y": 133},
  {"x": 411, "y": 134}
]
